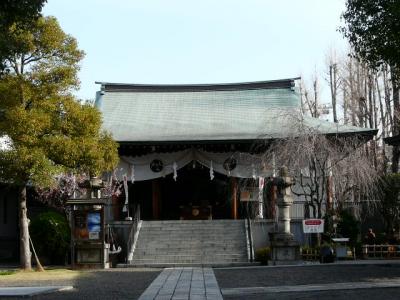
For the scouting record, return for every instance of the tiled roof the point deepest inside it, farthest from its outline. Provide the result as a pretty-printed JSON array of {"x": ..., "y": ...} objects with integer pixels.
[{"x": 242, "y": 111}]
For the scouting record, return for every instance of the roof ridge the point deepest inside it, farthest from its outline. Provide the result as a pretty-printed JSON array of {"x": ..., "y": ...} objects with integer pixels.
[{"x": 270, "y": 84}]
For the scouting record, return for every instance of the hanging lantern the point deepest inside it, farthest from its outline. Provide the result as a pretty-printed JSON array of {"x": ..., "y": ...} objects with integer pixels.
[
  {"x": 156, "y": 165},
  {"x": 230, "y": 164}
]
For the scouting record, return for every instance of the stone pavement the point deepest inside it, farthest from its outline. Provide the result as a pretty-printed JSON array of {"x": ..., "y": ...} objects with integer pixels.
[{"x": 184, "y": 284}]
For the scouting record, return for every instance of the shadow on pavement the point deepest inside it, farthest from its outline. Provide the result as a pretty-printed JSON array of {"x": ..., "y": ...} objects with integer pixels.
[{"x": 99, "y": 284}]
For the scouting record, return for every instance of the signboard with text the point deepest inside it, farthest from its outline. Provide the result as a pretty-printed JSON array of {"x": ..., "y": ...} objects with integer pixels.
[{"x": 313, "y": 226}]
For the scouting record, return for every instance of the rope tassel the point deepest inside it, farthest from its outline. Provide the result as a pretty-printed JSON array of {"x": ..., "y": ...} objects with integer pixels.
[
  {"x": 211, "y": 171},
  {"x": 175, "y": 167}
]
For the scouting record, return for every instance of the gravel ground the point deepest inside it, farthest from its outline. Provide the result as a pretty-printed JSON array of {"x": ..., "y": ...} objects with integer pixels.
[
  {"x": 370, "y": 294},
  {"x": 100, "y": 284},
  {"x": 130, "y": 283},
  {"x": 276, "y": 276},
  {"x": 308, "y": 275}
]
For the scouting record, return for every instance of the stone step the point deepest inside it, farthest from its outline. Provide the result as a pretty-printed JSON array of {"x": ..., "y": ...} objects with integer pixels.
[
  {"x": 194, "y": 222},
  {"x": 180, "y": 265},
  {"x": 193, "y": 237},
  {"x": 193, "y": 228},
  {"x": 185, "y": 252},
  {"x": 208, "y": 236},
  {"x": 204, "y": 228},
  {"x": 191, "y": 242},
  {"x": 191, "y": 222},
  {"x": 194, "y": 242},
  {"x": 185, "y": 245},
  {"x": 189, "y": 245},
  {"x": 187, "y": 261},
  {"x": 193, "y": 231},
  {"x": 188, "y": 256},
  {"x": 160, "y": 248}
]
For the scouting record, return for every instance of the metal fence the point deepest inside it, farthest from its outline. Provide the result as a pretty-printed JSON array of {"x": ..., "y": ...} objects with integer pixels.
[
  {"x": 381, "y": 251},
  {"x": 310, "y": 254}
]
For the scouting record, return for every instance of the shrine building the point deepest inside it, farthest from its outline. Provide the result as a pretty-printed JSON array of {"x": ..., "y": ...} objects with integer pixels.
[{"x": 195, "y": 151}]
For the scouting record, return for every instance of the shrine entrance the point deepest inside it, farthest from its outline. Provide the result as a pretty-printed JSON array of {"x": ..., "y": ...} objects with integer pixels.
[
  {"x": 192, "y": 184},
  {"x": 192, "y": 196}
]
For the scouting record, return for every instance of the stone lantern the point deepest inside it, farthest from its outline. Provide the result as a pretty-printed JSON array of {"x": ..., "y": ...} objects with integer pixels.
[{"x": 285, "y": 250}]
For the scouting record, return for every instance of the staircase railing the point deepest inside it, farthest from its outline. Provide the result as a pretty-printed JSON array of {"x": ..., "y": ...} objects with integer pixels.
[
  {"x": 133, "y": 233},
  {"x": 249, "y": 238}
]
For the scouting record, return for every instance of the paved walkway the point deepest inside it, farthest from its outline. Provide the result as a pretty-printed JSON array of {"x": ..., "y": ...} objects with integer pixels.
[{"x": 183, "y": 284}]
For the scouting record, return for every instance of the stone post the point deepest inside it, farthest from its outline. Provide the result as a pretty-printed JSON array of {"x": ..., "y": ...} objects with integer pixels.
[{"x": 284, "y": 201}]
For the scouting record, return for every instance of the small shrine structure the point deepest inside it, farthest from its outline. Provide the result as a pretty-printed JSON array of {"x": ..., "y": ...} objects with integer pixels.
[{"x": 89, "y": 248}]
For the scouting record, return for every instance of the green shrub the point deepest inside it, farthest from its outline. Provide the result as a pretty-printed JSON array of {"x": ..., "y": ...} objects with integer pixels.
[
  {"x": 50, "y": 234},
  {"x": 389, "y": 205},
  {"x": 263, "y": 255},
  {"x": 349, "y": 227},
  {"x": 6, "y": 272}
]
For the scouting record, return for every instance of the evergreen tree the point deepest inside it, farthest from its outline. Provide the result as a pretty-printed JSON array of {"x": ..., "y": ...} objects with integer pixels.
[
  {"x": 372, "y": 28},
  {"x": 48, "y": 131}
]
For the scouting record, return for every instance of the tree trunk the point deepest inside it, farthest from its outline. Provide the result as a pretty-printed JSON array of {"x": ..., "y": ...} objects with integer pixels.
[
  {"x": 387, "y": 101},
  {"x": 25, "y": 253},
  {"x": 315, "y": 87},
  {"x": 352, "y": 93},
  {"x": 333, "y": 86},
  {"x": 396, "y": 126},
  {"x": 384, "y": 126},
  {"x": 345, "y": 105}
]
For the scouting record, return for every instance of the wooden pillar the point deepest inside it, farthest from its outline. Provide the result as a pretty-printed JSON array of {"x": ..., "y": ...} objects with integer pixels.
[
  {"x": 234, "y": 192},
  {"x": 156, "y": 199}
]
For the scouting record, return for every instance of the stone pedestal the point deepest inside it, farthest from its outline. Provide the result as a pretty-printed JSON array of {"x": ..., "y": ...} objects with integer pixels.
[{"x": 284, "y": 250}]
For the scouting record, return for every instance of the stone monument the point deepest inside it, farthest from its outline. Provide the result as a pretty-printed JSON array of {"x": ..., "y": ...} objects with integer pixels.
[{"x": 285, "y": 250}]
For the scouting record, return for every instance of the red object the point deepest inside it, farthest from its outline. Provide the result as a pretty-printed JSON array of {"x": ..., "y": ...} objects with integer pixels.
[{"x": 313, "y": 222}]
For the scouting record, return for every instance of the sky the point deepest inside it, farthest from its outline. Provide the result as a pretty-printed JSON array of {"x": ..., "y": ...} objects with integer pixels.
[{"x": 207, "y": 41}]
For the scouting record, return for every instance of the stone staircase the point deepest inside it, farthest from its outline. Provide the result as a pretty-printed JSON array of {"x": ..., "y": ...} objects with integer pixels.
[{"x": 190, "y": 243}]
